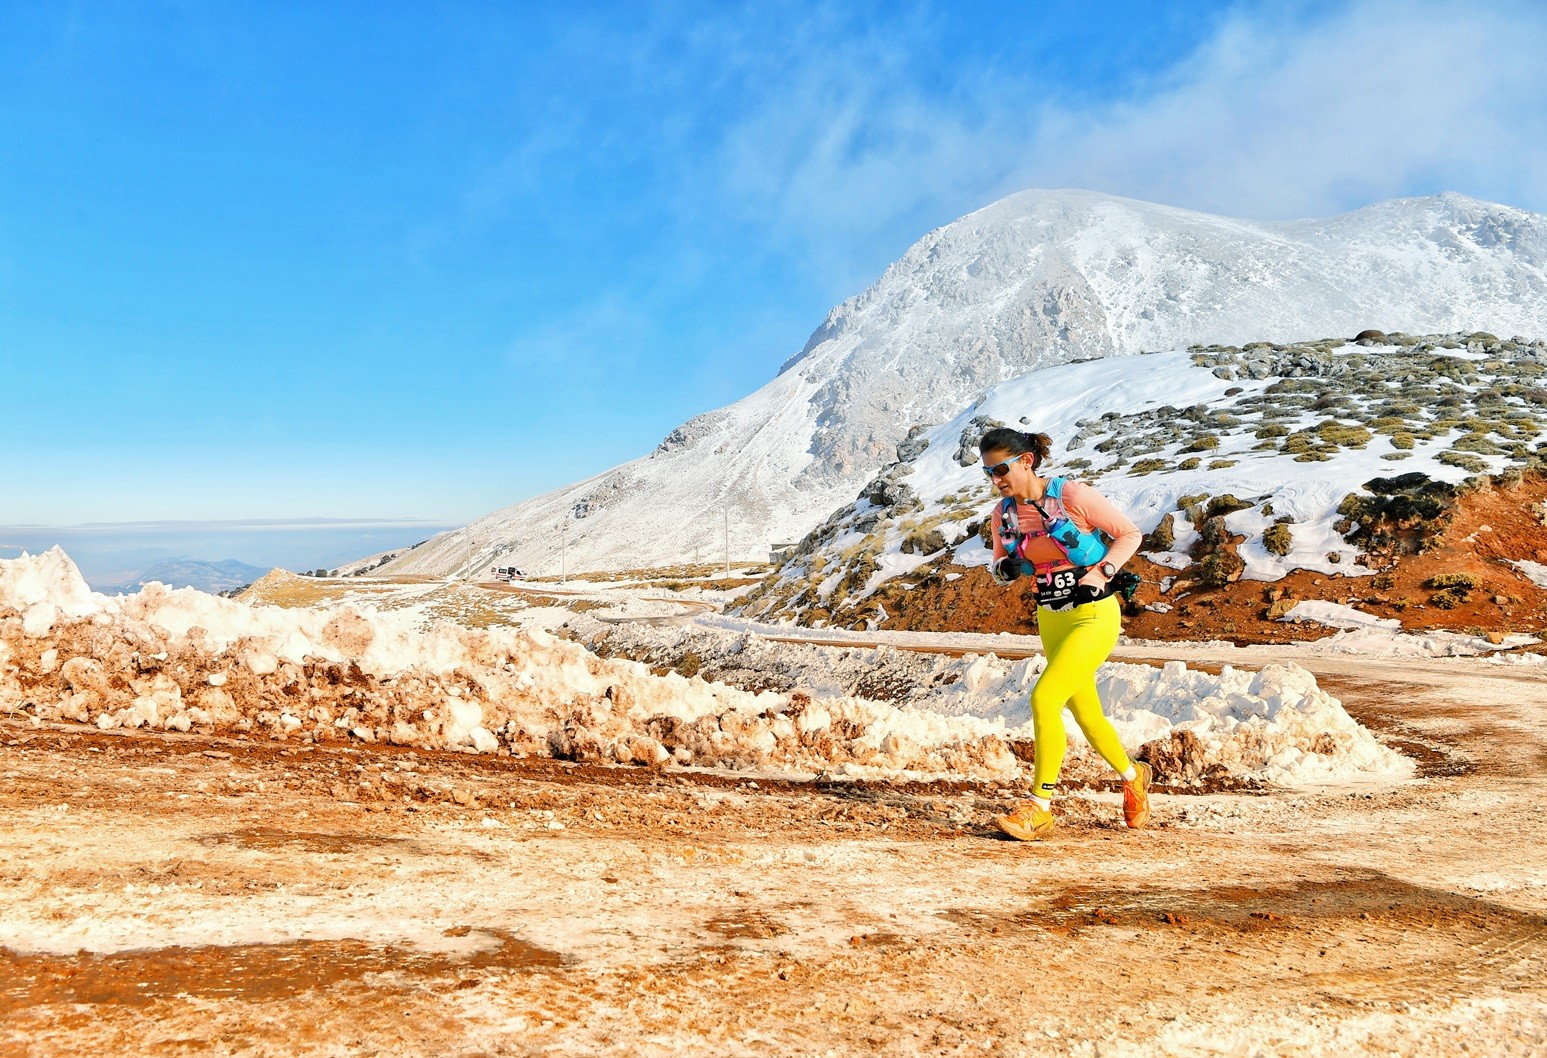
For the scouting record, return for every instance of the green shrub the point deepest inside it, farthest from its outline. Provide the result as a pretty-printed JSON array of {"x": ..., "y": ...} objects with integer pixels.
[
  {"x": 1402, "y": 439},
  {"x": 1190, "y": 463},
  {"x": 1272, "y": 429},
  {"x": 1464, "y": 461},
  {"x": 1148, "y": 466},
  {"x": 1206, "y": 443},
  {"x": 1162, "y": 537},
  {"x": 1221, "y": 464},
  {"x": 1214, "y": 532},
  {"x": 1476, "y": 442},
  {"x": 924, "y": 540},
  {"x": 1464, "y": 581},
  {"x": 1219, "y": 568},
  {"x": 1336, "y": 433},
  {"x": 1278, "y": 539},
  {"x": 1226, "y": 504}
]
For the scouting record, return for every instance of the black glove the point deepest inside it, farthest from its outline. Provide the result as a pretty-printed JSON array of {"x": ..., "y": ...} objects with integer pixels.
[
  {"x": 1084, "y": 593},
  {"x": 1005, "y": 570},
  {"x": 1126, "y": 584}
]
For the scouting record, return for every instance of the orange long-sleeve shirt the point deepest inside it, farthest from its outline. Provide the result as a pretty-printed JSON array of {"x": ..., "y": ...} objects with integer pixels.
[{"x": 1089, "y": 510}]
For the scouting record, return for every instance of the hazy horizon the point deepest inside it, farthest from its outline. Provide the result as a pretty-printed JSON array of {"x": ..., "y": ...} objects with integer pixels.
[{"x": 111, "y": 554}]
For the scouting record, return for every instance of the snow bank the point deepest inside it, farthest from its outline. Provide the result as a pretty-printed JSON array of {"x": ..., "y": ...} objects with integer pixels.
[
  {"x": 183, "y": 660},
  {"x": 1364, "y": 633},
  {"x": 1272, "y": 726}
]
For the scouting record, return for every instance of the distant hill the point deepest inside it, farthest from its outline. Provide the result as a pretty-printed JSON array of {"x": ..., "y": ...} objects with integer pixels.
[
  {"x": 1034, "y": 281},
  {"x": 209, "y": 577}
]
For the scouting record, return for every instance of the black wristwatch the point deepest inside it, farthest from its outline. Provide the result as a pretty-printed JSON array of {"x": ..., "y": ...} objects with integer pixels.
[{"x": 1106, "y": 569}]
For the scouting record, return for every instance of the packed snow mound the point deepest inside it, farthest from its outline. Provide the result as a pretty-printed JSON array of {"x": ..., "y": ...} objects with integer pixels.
[
  {"x": 1275, "y": 726},
  {"x": 182, "y": 660},
  {"x": 1038, "y": 279}
]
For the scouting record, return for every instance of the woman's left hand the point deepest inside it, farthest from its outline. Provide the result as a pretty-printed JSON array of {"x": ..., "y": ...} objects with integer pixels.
[{"x": 1094, "y": 580}]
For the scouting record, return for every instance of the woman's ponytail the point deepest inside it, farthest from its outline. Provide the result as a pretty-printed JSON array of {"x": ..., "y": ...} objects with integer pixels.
[{"x": 1040, "y": 445}]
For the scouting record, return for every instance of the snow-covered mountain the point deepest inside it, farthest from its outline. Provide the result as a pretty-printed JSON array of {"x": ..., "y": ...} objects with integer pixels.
[{"x": 1037, "y": 279}]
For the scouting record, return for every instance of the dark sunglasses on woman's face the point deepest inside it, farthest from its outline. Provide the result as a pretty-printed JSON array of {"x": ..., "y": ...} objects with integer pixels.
[{"x": 1001, "y": 469}]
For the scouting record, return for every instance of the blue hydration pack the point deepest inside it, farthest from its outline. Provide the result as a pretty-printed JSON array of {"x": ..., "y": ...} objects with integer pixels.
[{"x": 1080, "y": 546}]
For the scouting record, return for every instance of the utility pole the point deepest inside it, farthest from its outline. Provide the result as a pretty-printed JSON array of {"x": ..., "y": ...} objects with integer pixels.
[
  {"x": 563, "y": 552},
  {"x": 727, "y": 511}
]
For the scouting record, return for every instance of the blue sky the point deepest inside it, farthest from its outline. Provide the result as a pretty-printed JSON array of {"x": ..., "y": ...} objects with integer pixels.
[{"x": 390, "y": 260}]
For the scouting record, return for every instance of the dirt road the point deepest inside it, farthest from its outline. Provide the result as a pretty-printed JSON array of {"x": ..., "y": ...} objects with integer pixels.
[{"x": 169, "y": 894}]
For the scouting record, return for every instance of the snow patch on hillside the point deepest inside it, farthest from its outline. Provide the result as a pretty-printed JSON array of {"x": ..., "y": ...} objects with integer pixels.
[
  {"x": 1363, "y": 633},
  {"x": 1284, "y": 434},
  {"x": 1535, "y": 572}
]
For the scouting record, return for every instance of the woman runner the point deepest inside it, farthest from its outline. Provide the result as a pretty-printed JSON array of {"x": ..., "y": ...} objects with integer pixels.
[{"x": 1077, "y": 614}]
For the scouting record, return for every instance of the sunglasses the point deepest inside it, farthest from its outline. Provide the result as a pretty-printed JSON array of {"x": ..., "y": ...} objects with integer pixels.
[{"x": 1001, "y": 469}]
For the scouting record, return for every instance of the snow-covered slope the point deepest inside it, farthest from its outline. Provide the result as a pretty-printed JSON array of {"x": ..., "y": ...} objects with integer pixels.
[
  {"x": 1271, "y": 438},
  {"x": 1038, "y": 279}
]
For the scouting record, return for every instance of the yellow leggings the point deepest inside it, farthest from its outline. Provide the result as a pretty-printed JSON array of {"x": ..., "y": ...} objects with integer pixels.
[{"x": 1076, "y": 641}]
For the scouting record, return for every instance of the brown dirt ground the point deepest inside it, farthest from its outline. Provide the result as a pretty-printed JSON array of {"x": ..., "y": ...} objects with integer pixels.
[{"x": 184, "y": 895}]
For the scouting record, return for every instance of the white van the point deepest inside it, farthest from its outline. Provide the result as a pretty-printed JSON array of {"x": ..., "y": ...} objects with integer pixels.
[{"x": 505, "y": 572}]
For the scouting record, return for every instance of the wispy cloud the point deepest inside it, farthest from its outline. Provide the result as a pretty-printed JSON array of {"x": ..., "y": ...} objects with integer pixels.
[
  {"x": 589, "y": 344},
  {"x": 1274, "y": 116},
  {"x": 1382, "y": 99}
]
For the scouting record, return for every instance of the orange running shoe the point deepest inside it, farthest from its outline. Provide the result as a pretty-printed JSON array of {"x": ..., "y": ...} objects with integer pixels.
[
  {"x": 1136, "y": 796},
  {"x": 1027, "y": 822}
]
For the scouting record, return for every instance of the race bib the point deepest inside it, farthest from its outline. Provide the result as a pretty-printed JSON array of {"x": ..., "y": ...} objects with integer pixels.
[{"x": 1056, "y": 590}]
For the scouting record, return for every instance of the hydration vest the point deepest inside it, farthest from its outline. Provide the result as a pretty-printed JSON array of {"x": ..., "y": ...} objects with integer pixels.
[{"x": 1083, "y": 547}]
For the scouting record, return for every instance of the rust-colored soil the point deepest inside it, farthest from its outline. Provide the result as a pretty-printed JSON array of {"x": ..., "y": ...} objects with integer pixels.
[
  {"x": 169, "y": 894},
  {"x": 256, "y": 973}
]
